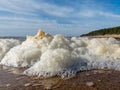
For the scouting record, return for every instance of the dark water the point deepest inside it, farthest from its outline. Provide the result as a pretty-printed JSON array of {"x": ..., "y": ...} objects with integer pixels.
[{"x": 18, "y": 38}]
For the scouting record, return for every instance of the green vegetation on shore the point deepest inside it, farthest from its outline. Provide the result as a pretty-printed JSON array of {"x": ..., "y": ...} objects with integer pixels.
[{"x": 114, "y": 30}]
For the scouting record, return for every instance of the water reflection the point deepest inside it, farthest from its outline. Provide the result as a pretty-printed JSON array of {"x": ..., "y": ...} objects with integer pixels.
[
  {"x": 14, "y": 70},
  {"x": 46, "y": 83}
]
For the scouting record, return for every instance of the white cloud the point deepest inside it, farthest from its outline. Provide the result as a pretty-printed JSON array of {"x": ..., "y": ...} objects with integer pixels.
[
  {"x": 87, "y": 13},
  {"x": 14, "y": 7},
  {"x": 109, "y": 14},
  {"x": 97, "y": 13},
  {"x": 54, "y": 10},
  {"x": 29, "y": 7}
]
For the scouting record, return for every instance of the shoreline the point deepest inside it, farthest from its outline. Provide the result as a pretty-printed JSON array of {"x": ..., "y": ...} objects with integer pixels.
[
  {"x": 85, "y": 80},
  {"x": 105, "y": 36}
]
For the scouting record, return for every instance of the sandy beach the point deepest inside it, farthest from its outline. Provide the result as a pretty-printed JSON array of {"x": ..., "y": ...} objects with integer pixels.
[{"x": 86, "y": 80}]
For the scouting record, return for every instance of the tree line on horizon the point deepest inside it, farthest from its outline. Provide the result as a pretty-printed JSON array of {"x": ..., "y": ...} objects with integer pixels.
[{"x": 114, "y": 30}]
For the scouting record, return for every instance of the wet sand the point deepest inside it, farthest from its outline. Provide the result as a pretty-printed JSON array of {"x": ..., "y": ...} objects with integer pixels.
[{"x": 86, "y": 80}]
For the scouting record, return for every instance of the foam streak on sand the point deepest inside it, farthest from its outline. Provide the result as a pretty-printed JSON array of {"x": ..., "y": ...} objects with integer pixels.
[{"x": 47, "y": 55}]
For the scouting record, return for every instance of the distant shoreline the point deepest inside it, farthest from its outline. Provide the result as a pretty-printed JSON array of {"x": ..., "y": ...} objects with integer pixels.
[{"x": 105, "y": 36}]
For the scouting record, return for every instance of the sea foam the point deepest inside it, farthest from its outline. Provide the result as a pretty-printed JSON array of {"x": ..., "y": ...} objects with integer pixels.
[
  {"x": 47, "y": 55},
  {"x": 6, "y": 45}
]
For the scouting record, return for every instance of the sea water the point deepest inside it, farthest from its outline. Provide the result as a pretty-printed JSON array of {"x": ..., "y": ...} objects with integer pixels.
[{"x": 57, "y": 55}]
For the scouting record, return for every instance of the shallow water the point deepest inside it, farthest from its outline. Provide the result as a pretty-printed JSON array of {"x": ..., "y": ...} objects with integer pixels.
[{"x": 101, "y": 79}]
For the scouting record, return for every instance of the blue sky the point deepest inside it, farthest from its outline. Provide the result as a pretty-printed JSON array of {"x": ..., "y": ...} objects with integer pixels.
[{"x": 68, "y": 17}]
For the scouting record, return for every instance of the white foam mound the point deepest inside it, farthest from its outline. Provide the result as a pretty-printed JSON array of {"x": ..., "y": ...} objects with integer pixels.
[
  {"x": 28, "y": 53},
  {"x": 47, "y": 55},
  {"x": 57, "y": 62},
  {"x": 6, "y": 45}
]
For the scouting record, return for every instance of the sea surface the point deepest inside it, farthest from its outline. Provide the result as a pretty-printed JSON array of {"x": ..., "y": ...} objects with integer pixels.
[{"x": 10, "y": 37}]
